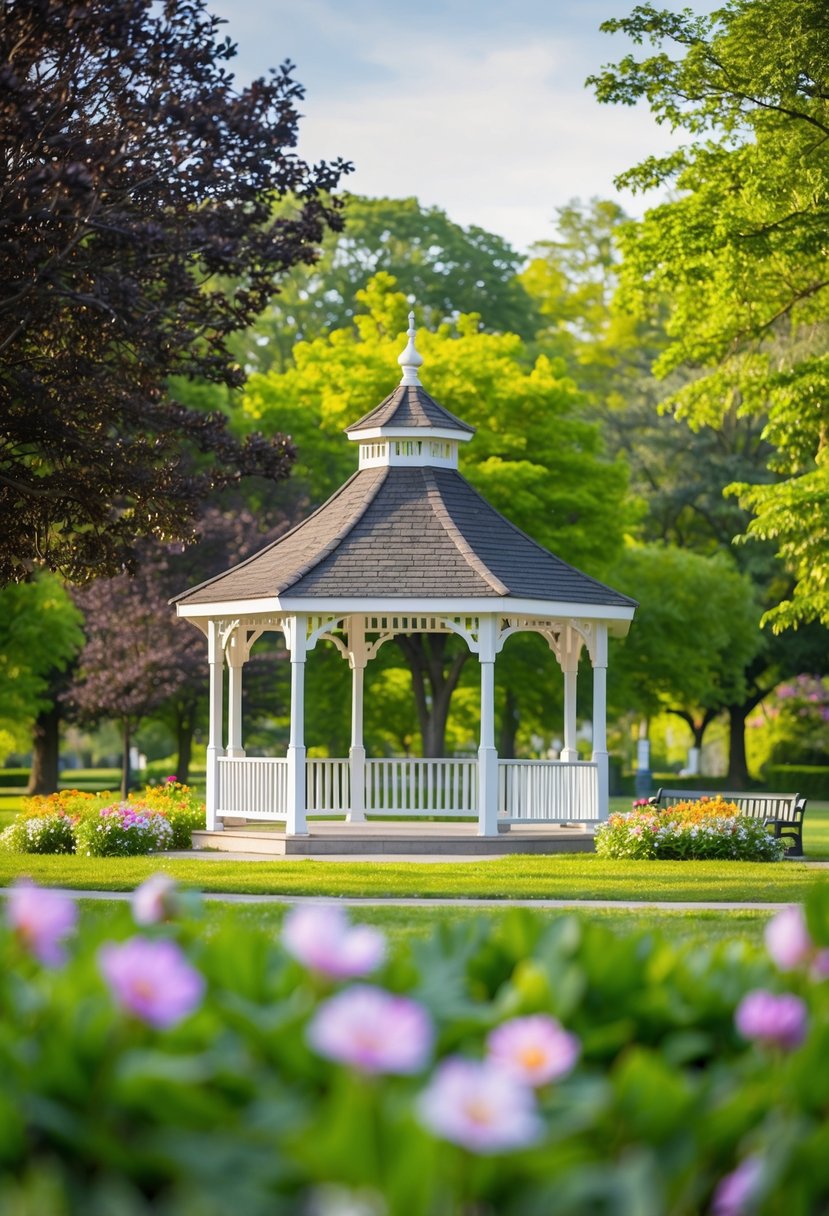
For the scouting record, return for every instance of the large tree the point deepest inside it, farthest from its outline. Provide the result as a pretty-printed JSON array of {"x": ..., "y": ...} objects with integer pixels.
[
  {"x": 738, "y": 254},
  {"x": 137, "y": 181}
]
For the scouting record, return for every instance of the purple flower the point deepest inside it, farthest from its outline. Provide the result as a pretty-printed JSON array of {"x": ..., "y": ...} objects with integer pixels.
[
  {"x": 41, "y": 919},
  {"x": 322, "y": 939},
  {"x": 772, "y": 1019},
  {"x": 787, "y": 939},
  {"x": 480, "y": 1106},
  {"x": 152, "y": 980},
  {"x": 736, "y": 1192},
  {"x": 373, "y": 1031},
  {"x": 154, "y": 900},
  {"x": 534, "y": 1049}
]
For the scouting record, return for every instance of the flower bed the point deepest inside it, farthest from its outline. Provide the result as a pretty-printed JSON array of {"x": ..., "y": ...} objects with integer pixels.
[
  {"x": 532, "y": 1068},
  {"x": 98, "y": 826},
  {"x": 710, "y": 829}
]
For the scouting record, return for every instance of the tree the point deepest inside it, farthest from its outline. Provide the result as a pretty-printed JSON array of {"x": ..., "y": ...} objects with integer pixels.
[
  {"x": 137, "y": 181},
  {"x": 442, "y": 267},
  {"x": 535, "y": 458},
  {"x": 738, "y": 256},
  {"x": 695, "y": 634},
  {"x": 40, "y": 635}
]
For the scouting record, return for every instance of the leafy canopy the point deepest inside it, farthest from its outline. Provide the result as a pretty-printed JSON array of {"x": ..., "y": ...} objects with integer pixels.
[
  {"x": 738, "y": 257},
  {"x": 138, "y": 180}
]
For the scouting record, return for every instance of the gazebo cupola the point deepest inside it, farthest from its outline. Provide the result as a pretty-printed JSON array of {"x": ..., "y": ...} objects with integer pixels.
[
  {"x": 409, "y": 427},
  {"x": 406, "y": 546}
]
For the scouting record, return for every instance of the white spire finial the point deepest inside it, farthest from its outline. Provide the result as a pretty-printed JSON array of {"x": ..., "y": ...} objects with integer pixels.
[{"x": 410, "y": 360}]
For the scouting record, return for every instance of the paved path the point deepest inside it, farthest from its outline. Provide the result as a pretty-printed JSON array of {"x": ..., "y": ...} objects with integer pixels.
[{"x": 353, "y": 901}]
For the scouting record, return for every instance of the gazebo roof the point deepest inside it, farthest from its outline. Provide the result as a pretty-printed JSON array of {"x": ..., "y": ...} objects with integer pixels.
[
  {"x": 407, "y": 407},
  {"x": 405, "y": 532},
  {"x": 407, "y": 527}
]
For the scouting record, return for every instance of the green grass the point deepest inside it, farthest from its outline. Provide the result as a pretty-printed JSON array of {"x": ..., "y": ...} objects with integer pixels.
[
  {"x": 406, "y": 924},
  {"x": 557, "y": 877}
]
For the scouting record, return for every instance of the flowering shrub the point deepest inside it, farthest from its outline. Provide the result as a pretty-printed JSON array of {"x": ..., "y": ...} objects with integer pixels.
[
  {"x": 708, "y": 830},
  {"x": 46, "y": 834},
  {"x": 125, "y": 829},
  {"x": 180, "y": 806},
  {"x": 72, "y": 803},
  {"x": 518, "y": 1068}
]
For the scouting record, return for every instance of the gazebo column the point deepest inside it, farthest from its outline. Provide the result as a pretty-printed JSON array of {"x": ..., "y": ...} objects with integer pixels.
[
  {"x": 600, "y": 716},
  {"x": 235, "y": 663},
  {"x": 215, "y": 659},
  {"x": 295, "y": 824},
  {"x": 570, "y": 667},
  {"x": 357, "y": 751},
  {"x": 487, "y": 754}
]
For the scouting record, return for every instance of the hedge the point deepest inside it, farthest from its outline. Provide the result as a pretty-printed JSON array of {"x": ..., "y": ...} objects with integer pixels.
[
  {"x": 811, "y": 780},
  {"x": 14, "y": 778}
]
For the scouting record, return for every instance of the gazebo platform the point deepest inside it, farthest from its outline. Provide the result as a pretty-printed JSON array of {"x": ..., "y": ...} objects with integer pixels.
[{"x": 383, "y": 836}]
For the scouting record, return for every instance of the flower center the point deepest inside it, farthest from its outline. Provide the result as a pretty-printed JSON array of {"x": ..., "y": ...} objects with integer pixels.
[
  {"x": 531, "y": 1057},
  {"x": 478, "y": 1111}
]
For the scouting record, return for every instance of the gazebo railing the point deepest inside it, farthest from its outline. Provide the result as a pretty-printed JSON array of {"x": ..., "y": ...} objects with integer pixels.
[
  {"x": 250, "y": 786},
  {"x": 548, "y": 791},
  {"x": 529, "y": 791},
  {"x": 422, "y": 787}
]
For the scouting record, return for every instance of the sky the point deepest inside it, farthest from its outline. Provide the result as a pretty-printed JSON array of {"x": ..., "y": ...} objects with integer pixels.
[{"x": 475, "y": 106}]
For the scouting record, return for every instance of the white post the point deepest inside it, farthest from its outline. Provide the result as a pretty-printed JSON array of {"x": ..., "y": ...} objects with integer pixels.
[
  {"x": 235, "y": 661},
  {"x": 487, "y": 755},
  {"x": 296, "y": 823},
  {"x": 600, "y": 717},
  {"x": 570, "y": 665},
  {"x": 215, "y": 659},
  {"x": 357, "y": 751}
]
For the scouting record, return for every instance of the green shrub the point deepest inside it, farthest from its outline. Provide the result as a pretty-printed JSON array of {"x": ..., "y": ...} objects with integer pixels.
[
  {"x": 236, "y": 1106},
  {"x": 811, "y": 780},
  {"x": 14, "y": 778}
]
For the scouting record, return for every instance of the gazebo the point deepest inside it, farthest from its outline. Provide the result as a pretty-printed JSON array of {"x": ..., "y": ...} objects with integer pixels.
[{"x": 405, "y": 546}]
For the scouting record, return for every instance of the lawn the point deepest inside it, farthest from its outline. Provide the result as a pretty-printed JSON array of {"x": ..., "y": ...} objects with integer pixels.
[
  {"x": 405, "y": 924},
  {"x": 558, "y": 877}
]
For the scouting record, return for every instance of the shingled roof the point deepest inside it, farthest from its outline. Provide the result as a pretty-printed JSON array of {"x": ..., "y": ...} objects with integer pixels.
[
  {"x": 405, "y": 532},
  {"x": 410, "y": 406}
]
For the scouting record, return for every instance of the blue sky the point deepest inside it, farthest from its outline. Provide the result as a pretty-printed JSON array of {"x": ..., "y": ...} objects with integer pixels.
[{"x": 479, "y": 108}]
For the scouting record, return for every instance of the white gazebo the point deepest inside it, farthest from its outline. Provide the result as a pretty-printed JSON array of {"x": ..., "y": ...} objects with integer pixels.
[{"x": 405, "y": 546}]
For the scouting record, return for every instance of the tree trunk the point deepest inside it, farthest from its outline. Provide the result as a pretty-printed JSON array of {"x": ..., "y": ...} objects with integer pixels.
[
  {"x": 125, "y": 762},
  {"x": 737, "y": 764},
  {"x": 184, "y": 745},
  {"x": 45, "y": 752},
  {"x": 509, "y": 726},
  {"x": 434, "y": 679}
]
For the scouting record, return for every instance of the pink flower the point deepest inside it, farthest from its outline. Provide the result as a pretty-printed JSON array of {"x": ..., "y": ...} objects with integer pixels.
[
  {"x": 152, "y": 980},
  {"x": 787, "y": 939},
  {"x": 154, "y": 900},
  {"x": 736, "y": 1192},
  {"x": 534, "y": 1049},
  {"x": 41, "y": 919},
  {"x": 373, "y": 1031},
  {"x": 480, "y": 1106},
  {"x": 775, "y": 1021},
  {"x": 322, "y": 939}
]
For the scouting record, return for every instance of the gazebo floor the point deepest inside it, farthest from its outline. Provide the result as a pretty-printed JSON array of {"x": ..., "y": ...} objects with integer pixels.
[{"x": 378, "y": 836}]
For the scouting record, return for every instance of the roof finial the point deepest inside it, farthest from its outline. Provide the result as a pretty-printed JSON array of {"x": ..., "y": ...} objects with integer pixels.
[{"x": 410, "y": 360}]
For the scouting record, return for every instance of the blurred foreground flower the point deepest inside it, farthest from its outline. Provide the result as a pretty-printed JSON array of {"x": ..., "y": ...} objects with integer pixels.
[
  {"x": 373, "y": 1031},
  {"x": 772, "y": 1019},
  {"x": 736, "y": 1193},
  {"x": 480, "y": 1106},
  {"x": 41, "y": 919},
  {"x": 534, "y": 1049},
  {"x": 321, "y": 937},
  {"x": 152, "y": 980},
  {"x": 790, "y": 944},
  {"x": 155, "y": 900}
]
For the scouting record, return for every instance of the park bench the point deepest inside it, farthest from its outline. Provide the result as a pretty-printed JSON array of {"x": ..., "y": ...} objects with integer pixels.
[{"x": 783, "y": 813}]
